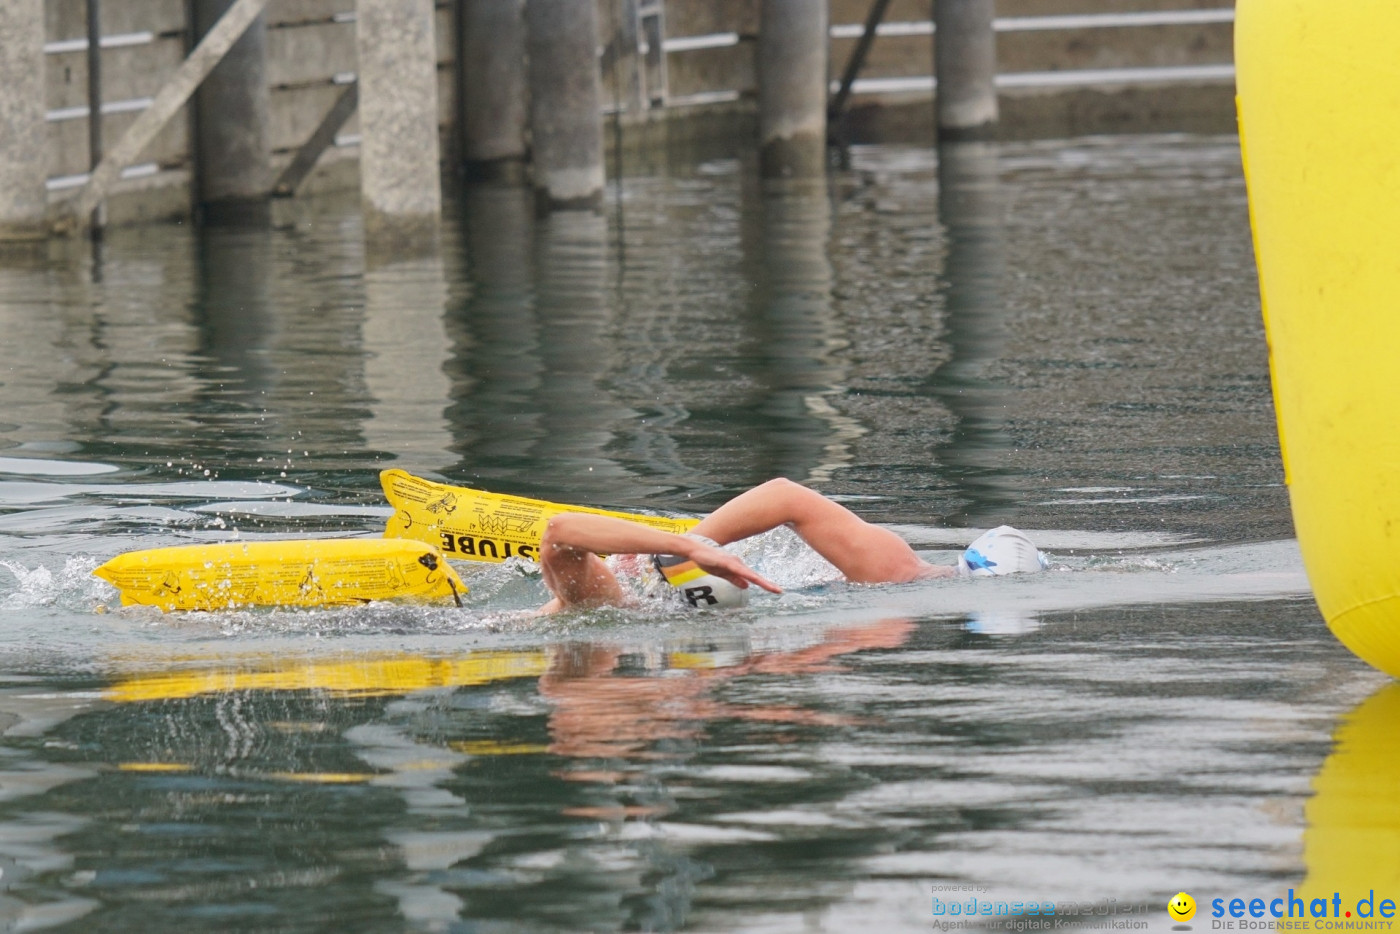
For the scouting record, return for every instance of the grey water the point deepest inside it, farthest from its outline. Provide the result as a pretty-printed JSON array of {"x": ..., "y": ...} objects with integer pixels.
[{"x": 1064, "y": 336}]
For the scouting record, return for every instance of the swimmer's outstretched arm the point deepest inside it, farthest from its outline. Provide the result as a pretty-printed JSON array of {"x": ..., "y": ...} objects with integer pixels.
[
  {"x": 865, "y": 553},
  {"x": 575, "y": 575}
]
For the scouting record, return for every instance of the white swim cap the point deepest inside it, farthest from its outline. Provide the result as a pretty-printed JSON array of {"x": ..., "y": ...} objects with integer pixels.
[
  {"x": 1003, "y": 550},
  {"x": 699, "y": 589}
]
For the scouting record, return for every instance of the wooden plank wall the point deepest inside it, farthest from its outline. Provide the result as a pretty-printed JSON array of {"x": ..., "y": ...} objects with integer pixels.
[{"x": 709, "y": 68}]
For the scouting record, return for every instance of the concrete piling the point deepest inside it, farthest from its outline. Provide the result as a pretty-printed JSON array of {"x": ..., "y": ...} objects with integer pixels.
[
  {"x": 792, "y": 87},
  {"x": 232, "y": 143},
  {"x": 399, "y": 164},
  {"x": 566, "y": 120},
  {"x": 493, "y": 90},
  {"x": 168, "y": 100},
  {"x": 965, "y": 66},
  {"x": 24, "y": 150}
]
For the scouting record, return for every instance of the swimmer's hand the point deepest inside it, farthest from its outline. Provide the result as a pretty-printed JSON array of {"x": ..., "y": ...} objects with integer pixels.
[
  {"x": 568, "y": 537},
  {"x": 727, "y": 567}
]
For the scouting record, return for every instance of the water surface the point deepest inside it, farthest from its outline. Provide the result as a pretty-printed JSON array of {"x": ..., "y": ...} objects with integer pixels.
[{"x": 1062, "y": 336}]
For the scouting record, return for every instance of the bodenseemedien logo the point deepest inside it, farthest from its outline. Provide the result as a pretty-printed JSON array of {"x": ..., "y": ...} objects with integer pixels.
[
  {"x": 988, "y": 907},
  {"x": 997, "y": 915}
]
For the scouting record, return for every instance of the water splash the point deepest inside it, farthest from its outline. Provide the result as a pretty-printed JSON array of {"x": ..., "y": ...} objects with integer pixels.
[
  {"x": 782, "y": 556},
  {"x": 70, "y": 587}
]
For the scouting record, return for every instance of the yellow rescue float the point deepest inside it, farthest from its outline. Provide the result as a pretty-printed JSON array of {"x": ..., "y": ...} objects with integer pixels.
[
  {"x": 302, "y": 572},
  {"x": 474, "y": 525}
]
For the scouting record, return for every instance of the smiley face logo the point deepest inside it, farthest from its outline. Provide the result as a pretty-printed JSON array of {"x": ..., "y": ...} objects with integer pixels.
[{"x": 1182, "y": 907}]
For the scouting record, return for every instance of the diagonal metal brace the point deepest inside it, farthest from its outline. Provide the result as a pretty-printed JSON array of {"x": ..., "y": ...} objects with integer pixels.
[
  {"x": 324, "y": 137},
  {"x": 857, "y": 60},
  {"x": 192, "y": 71}
]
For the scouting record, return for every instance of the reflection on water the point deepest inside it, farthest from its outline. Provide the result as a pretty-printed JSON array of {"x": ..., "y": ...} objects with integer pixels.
[
  {"x": 737, "y": 778},
  {"x": 1352, "y": 843},
  {"x": 235, "y": 318},
  {"x": 1063, "y": 336},
  {"x": 970, "y": 205},
  {"x": 579, "y": 346},
  {"x": 794, "y": 336},
  {"x": 604, "y": 708},
  {"x": 495, "y": 364},
  {"x": 30, "y": 835},
  {"x": 406, "y": 349},
  {"x": 912, "y": 330}
]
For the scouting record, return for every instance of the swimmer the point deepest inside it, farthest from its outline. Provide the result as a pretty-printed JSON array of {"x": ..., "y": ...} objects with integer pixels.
[{"x": 864, "y": 553}]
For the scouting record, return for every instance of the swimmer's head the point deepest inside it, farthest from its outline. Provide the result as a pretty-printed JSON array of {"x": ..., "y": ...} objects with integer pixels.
[
  {"x": 699, "y": 589},
  {"x": 1002, "y": 550}
]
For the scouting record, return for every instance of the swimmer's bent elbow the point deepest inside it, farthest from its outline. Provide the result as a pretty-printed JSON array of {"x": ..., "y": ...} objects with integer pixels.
[{"x": 556, "y": 534}]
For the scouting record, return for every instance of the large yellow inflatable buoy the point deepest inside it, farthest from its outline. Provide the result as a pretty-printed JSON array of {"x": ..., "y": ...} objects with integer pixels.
[{"x": 1319, "y": 105}]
